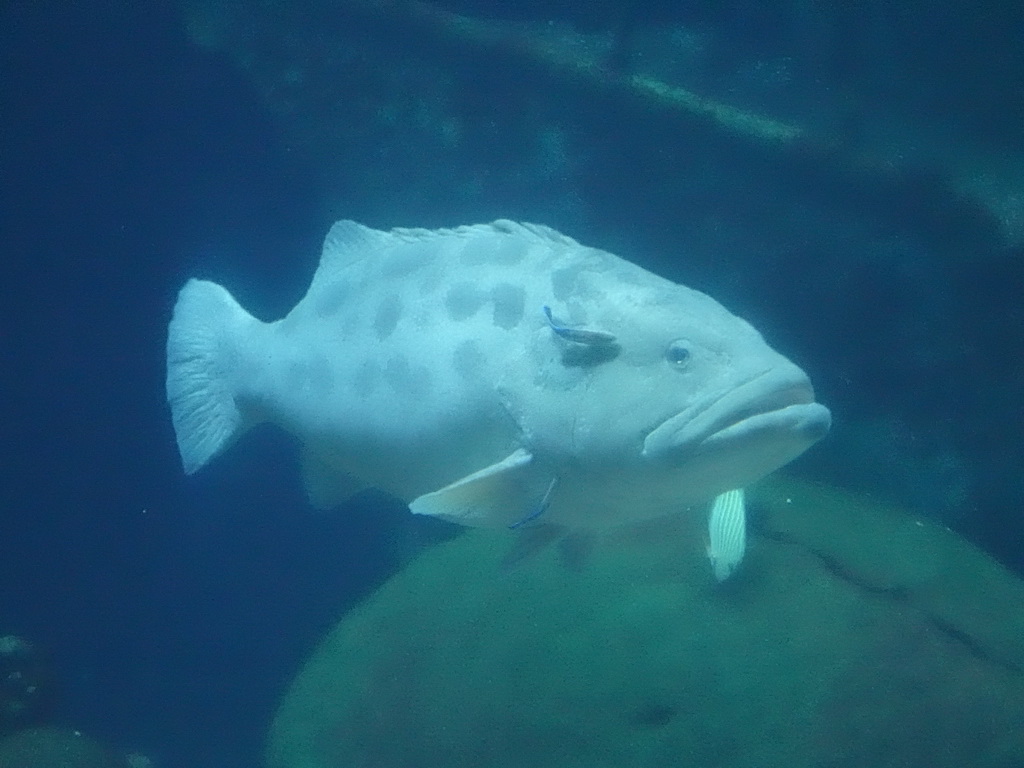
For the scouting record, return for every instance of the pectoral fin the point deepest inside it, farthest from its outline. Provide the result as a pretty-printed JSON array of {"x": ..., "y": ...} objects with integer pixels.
[
  {"x": 727, "y": 533},
  {"x": 494, "y": 497}
]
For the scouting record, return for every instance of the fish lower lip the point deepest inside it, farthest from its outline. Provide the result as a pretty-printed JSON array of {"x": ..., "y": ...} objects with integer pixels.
[
  {"x": 808, "y": 421},
  {"x": 779, "y": 399}
]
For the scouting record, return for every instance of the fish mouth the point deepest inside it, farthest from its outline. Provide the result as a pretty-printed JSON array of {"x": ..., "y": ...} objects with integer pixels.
[{"x": 774, "y": 405}]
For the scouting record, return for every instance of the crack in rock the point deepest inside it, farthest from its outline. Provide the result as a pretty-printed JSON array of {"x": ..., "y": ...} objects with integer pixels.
[{"x": 895, "y": 593}]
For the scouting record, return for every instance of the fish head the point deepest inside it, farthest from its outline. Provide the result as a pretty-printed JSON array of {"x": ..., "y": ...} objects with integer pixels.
[{"x": 692, "y": 391}]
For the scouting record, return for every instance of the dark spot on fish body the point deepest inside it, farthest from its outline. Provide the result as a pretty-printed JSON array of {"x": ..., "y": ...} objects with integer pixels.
[
  {"x": 583, "y": 356},
  {"x": 463, "y": 300},
  {"x": 388, "y": 313},
  {"x": 333, "y": 298},
  {"x": 468, "y": 360},
  {"x": 564, "y": 281},
  {"x": 509, "y": 305},
  {"x": 405, "y": 379}
]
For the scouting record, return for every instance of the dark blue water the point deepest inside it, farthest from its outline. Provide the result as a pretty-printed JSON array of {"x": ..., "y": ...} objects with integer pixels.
[{"x": 177, "y": 610}]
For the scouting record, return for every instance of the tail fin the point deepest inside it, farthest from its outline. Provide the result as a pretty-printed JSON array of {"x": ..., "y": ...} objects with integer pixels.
[{"x": 204, "y": 342}]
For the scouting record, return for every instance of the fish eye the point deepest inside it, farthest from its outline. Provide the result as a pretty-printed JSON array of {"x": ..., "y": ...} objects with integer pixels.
[{"x": 678, "y": 353}]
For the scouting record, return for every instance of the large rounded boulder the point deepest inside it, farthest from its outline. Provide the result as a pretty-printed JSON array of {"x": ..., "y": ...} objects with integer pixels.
[{"x": 852, "y": 635}]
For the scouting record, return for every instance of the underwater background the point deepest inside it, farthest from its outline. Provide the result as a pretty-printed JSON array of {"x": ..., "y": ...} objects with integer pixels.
[{"x": 848, "y": 177}]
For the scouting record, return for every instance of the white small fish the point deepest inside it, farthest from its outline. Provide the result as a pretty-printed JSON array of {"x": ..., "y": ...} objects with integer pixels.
[
  {"x": 727, "y": 533},
  {"x": 497, "y": 375}
]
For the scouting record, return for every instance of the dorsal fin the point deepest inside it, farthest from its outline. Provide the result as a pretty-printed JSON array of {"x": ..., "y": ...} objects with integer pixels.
[
  {"x": 520, "y": 229},
  {"x": 347, "y": 243}
]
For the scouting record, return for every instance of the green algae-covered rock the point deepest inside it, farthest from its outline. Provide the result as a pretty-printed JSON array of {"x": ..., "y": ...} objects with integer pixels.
[{"x": 852, "y": 636}]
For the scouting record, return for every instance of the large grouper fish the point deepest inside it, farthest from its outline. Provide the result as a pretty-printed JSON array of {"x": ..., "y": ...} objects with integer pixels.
[{"x": 499, "y": 375}]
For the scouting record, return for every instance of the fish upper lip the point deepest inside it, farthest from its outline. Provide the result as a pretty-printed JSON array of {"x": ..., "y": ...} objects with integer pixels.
[{"x": 767, "y": 392}]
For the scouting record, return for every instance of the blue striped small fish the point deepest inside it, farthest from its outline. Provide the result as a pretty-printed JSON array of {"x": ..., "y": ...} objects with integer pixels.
[{"x": 727, "y": 533}]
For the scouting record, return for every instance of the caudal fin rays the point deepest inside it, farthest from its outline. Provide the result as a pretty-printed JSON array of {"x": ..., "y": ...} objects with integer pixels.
[{"x": 203, "y": 342}]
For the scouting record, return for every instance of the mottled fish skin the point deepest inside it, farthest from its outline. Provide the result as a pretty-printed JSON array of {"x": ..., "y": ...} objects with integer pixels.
[{"x": 423, "y": 363}]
